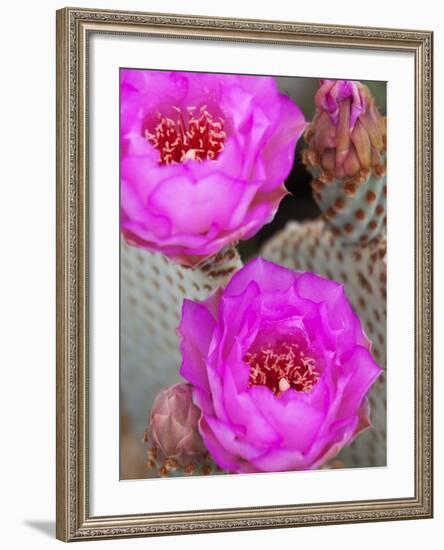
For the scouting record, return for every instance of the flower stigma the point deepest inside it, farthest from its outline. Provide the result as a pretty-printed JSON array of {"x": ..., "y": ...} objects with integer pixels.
[
  {"x": 281, "y": 367},
  {"x": 191, "y": 136}
]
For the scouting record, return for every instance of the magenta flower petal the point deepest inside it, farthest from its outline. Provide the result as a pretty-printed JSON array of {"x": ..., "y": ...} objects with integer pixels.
[
  {"x": 328, "y": 446},
  {"x": 206, "y": 155},
  {"x": 194, "y": 349},
  {"x": 225, "y": 459},
  {"x": 339, "y": 313},
  {"x": 267, "y": 275},
  {"x": 286, "y": 416},
  {"x": 231, "y": 437},
  {"x": 284, "y": 369},
  {"x": 242, "y": 410},
  {"x": 361, "y": 380},
  {"x": 239, "y": 314},
  {"x": 279, "y": 459}
]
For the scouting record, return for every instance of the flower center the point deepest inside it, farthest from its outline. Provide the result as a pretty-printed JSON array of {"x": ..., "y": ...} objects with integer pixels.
[
  {"x": 194, "y": 135},
  {"x": 281, "y": 367}
]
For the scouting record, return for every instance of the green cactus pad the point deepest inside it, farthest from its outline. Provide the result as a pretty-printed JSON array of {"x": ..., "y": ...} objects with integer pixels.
[{"x": 354, "y": 211}]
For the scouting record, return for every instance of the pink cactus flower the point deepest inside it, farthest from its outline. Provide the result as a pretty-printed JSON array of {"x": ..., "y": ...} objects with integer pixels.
[
  {"x": 203, "y": 159},
  {"x": 173, "y": 428},
  {"x": 280, "y": 368}
]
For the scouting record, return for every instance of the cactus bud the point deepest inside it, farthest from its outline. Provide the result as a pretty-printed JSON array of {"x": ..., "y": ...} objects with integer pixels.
[
  {"x": 346, "y": 156},
  {"x": 173, "y": 429}
]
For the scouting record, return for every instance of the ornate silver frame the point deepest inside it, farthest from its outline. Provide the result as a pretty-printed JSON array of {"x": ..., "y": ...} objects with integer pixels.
[{"x": 74, "y": 521}]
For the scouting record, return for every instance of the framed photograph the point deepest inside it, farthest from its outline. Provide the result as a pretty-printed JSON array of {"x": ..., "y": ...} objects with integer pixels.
[{"x": 244, "y": 274}]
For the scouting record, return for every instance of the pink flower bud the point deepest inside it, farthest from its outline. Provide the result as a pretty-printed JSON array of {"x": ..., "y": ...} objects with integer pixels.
[
  {"x": 347, "y": 137},
  {"x": 173, "y": 426}
]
